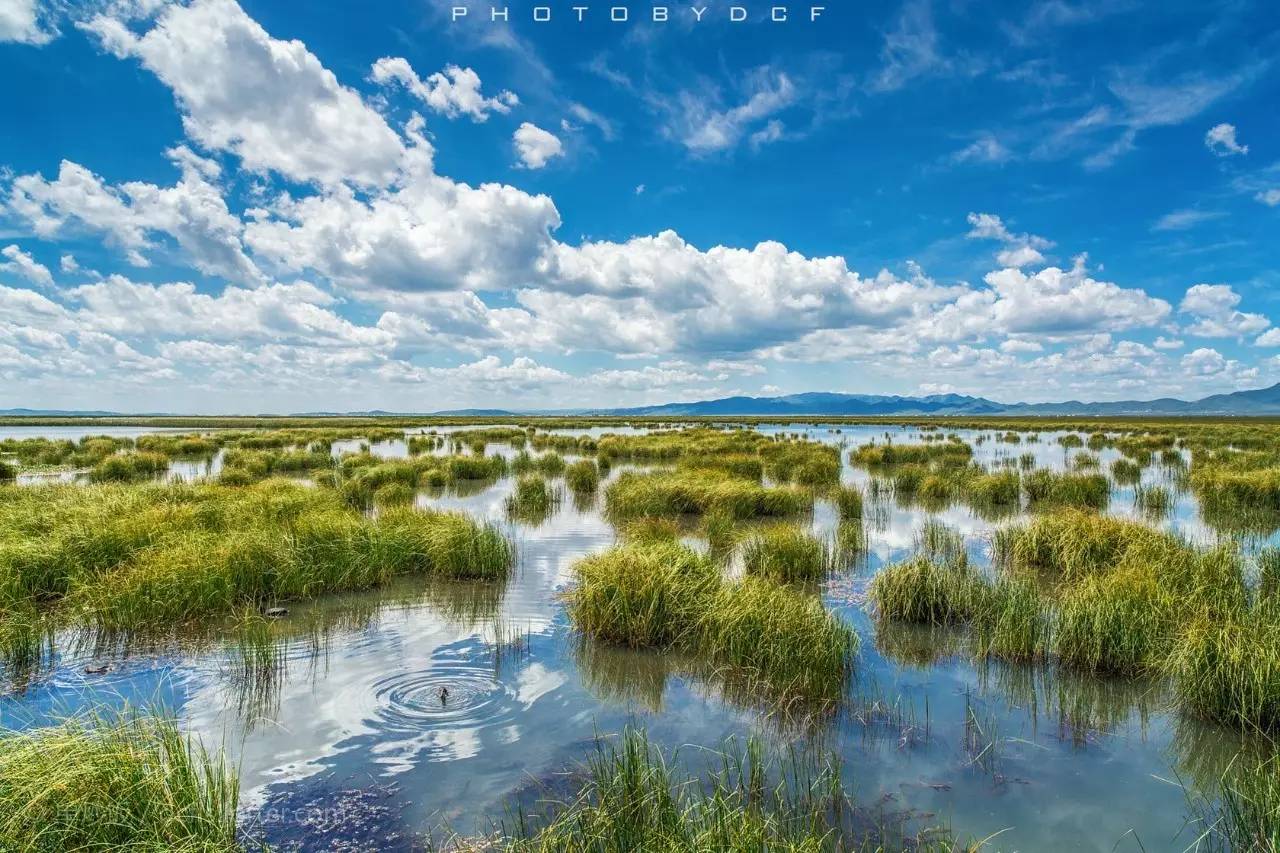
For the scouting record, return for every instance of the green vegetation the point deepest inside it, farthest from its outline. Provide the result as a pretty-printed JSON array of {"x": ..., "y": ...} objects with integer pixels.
[
  {"x": 133, "y": 783},
  {"x": 750, "y": 798},
  {"x": 786, "y": 553},
  {"x": 945, "y": 452},
  {"x": 1051, "y": 488},
  {"x": 634, "y": 495},
  {"x": 123, "y": 556},
  {"x": 656, "y": 594},
  {"x": 582, "y": 476},
  {"x": 849, "y": 502},
  {"x": 533, "y": 499},
  {"x": 128, "y": 467}
]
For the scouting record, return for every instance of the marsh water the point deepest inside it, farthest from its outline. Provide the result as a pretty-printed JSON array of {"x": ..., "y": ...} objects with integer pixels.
[{"x": 349, "y": 739}]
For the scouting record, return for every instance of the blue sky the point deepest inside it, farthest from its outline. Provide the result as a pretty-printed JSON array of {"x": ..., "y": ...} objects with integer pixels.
[{"x": 215, "y": 207}]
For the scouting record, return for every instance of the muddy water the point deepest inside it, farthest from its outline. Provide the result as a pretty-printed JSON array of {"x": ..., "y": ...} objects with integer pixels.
[{"x": 393, "y": 714}]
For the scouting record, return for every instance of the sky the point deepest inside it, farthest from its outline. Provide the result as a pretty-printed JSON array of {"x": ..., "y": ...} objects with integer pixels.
[{"x": 413, "y": 205}]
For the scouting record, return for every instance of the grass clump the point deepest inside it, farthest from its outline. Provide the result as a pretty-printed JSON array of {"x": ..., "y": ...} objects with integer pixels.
[
  {"x": 635, "y": 495},
  {"x": 533, "y": 499},
  {"x": 1051, "y": 488},
  {"x": 8, "y": 471},
  {"x": 129, "y": 467},
  {"x": 1229, "y": 669},
  {"x": 944, "y": 452},
  {"x": 582, "y": 476},
  {"x": 663, "y": 595},
  {"x": 1126, "y": 472},
  {"x": 133, "y": 783},
  {"x": 786, "y": 553},
  {"x": 925, "y": 591},
  {"x": 125, "y": 556},
  {"x": 848, "y": 500}
]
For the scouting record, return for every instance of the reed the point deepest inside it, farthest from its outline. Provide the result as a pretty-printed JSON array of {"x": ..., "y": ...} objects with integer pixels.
[
  {"x": 533, "y": 499},
  {"x": 131, "y": 783},
  {"x": 1228, "y": 669},
  {"x": 1126, "y": 472}
]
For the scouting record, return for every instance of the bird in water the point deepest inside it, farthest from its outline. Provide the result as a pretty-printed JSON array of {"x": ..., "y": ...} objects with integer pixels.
[{"x": 443, "y": 693}]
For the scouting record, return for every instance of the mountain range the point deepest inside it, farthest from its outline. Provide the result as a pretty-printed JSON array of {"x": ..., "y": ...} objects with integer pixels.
[{"x": 1259, "y": 401}]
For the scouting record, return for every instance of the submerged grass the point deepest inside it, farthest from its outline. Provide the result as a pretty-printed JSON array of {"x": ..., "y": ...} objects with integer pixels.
[{"x": 132, "y": 783}]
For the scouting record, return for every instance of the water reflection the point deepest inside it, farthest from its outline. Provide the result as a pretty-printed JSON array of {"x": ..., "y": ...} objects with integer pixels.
[{"x": 427, "y": 704}]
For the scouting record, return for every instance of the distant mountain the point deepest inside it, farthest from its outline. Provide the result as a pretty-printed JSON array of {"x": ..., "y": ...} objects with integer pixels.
[{"x": 1259, "y": 401}]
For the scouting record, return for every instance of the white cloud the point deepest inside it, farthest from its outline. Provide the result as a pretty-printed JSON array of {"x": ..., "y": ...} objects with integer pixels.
[
  {"x": 1181, "y": 220},
  {"x": 985, "y": 149},
  {"x": 192, "y": 211},
  {"x": 20, "y": 21},
  {"x": 1214, "y": 313},
  {"x": 1221, "y": 140},
  {"x": 21, "y": 263},
  {"x": 1020, "y": 250},
  {"x": 535, "y": 146},
  {"x": 703, "y": 123},
  {"x": 1269, "y": 338},
  {"x": 1271, "y": 197},
  {"x": 452, "y": 92},
  {"x": 268, "y": 101},
  {"x": 1161, "y": 342}
]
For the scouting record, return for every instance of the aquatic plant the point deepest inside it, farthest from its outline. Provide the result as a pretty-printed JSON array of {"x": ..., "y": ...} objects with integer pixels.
[
  {"x": 945, "y": 452},
  {"x": 533, "y": 499},
  {"x": 1125, "y": 471},
  {"x": 126, "y": 555},
  {"x": 921, "y": 590},
  {"x": 8, "y": 471},
  {"x": 131, "y": 783},
  {"x": 786, "y": 553},
  {"x": 127, "y": 467},
  {"x": 661, "y": 494},
  {"x": 656, "y": 594},
  {"x": 848, "y": 500},
  {"x": 750, "y": 797},
  {"x": 1051, "y": 488},
  {"x": 582, "y": 476},
  {"x": 1228, "y": 668},
  {"x": 1153, "y": 501}
]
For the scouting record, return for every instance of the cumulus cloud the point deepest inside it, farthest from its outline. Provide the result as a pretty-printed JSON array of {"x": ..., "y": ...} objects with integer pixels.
[
  {"x": 535, "y": 146},
  {"x": 267, "y": 101},
  {"x": 452, "y": 92},
  {"x": 381, "y": 272},
  {"x": 21, "y": 22},
  {"x": 1221, "y": 140},
  {"x": 1212, "y": 308},
  {"x": 21, "y": 263},
  {"x": 1020, "y": 250}
]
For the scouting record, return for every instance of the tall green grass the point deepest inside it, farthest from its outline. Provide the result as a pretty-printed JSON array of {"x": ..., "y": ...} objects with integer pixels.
[
  {"x": 634, "y": 495},
  {"x": 135, "y": 783},
  {"x": 125, "y": 556},
  {"x": 786, "y": 553},
  {"x": 660, "y": 594}
]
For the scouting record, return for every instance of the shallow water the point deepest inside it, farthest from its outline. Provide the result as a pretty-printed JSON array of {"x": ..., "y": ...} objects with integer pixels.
[{"x": 351, "y": 739}]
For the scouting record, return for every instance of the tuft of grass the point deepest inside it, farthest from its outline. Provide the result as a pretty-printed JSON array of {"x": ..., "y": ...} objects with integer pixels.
[
  {"x": 1051, "y": 488},
  {"x": 132, "y": 783},
  {"x": 533, "y": 499},
  {"x": 848, "y": 501},
  {"x": 921, "y": 590},
  {"x": 787, "y": 553},
  {"x": 8, "y": 472},
  {"x": 663, "y": 595},
  {"x": 1228, "y": 669},
  {"x": 582, "y": 476},
  {"x": 1153, "y": 501},
  {"x": 1126, "y": 471},
  {"x": 393, "y": 494},
  {"x": 635, "y": 495},
  {"x": 125, "y": 556},
  {"x": 128, "y": 467}
]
